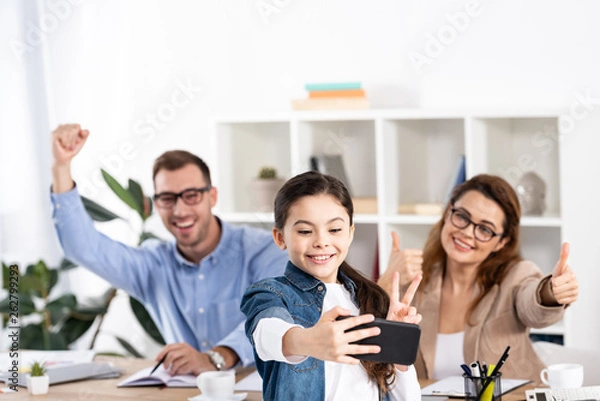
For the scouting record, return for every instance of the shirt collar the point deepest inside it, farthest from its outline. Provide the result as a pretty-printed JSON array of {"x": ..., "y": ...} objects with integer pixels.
[
  {"x": 223, "y": 247},
  {"x": 306, "y": 282}
]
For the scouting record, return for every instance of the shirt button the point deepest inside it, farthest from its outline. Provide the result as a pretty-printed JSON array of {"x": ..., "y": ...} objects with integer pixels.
[
  {"x": 204, "y": 344},
  {"x": 201, "y": 276},
  {"x": 320, "y": 288},
  {"x": 201, "y": 310}
]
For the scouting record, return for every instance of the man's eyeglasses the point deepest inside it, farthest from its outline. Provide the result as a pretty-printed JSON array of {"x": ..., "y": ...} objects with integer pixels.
[
  {"x": 460, "y": 219},
  {"x": 190, "y": 196}
]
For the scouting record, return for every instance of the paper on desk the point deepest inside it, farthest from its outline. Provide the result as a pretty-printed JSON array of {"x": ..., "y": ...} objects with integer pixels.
[
  {"x": 252, "y": 382},
  {"x": 454, "y": 386}
]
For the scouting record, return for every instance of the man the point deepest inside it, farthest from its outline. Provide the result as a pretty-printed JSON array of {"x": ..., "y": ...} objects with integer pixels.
[{"x": 192, "y": 286}]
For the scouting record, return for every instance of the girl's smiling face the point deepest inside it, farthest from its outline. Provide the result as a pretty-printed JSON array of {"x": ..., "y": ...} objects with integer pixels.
[{"x": 317, "y": 234}]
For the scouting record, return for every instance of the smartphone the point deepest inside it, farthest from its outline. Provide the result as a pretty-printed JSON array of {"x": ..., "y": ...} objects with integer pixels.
[{"x": 399, "y": 341}]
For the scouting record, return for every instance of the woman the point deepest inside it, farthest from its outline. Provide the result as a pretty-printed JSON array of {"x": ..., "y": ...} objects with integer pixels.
[{"x": 478, "y": 295}]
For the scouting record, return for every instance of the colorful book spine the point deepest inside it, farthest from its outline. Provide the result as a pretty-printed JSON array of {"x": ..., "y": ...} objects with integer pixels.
[
  {"x": 329, "y": 86},
  {"x": 334, "y": 103},
  {"x": 336, "y": 93}
]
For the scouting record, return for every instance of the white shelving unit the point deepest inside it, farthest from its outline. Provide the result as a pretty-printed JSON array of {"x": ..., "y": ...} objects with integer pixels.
[{"x": 396, "y": 156}]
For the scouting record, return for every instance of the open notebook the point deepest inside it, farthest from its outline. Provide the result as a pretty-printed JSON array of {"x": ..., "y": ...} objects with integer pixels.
[{"x": 158, "y": 378}]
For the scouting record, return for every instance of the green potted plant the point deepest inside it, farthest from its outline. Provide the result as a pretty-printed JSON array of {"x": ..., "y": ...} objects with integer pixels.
[
  {"x": 55, "y": 321},
  {"x": 265, "y": 187},
  {"x": 48, "y": 320},
  {"x": 38, "y": 381}
]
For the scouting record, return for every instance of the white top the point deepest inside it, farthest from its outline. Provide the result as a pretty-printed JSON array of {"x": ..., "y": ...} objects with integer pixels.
[
  {"x": 448, "y": 355},
  {"x": 342, "y": 381}
]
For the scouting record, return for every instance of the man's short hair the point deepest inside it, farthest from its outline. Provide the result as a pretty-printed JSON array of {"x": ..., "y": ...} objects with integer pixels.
[{"x": 176, "y": 159}]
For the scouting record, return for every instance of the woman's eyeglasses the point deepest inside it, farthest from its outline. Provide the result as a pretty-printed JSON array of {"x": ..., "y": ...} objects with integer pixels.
[{"x": 460, "y": 219}]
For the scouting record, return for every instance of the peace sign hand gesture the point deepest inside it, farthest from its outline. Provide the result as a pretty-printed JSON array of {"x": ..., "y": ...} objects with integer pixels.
[{"x": 400, "y": 310}]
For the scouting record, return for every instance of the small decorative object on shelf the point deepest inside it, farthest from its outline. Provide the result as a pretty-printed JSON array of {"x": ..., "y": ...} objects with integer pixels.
[
  {"x": 531, "y": 190},
  {"x": 267, "y": 173},
  {"x": 333, "y": 96},
  {"x": 265, "y": 188},
  {"x": 38, "y": 381}
]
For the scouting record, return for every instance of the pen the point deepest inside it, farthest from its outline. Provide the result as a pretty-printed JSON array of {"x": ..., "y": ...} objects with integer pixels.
[
  {"x": 158, "y": 364},
  {"x": 466, "y": 369},
  {"x": 495, "y": 371}
]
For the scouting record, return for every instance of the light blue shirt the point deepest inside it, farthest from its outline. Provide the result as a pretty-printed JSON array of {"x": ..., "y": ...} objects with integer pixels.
[{"x": 196, "y": 304}]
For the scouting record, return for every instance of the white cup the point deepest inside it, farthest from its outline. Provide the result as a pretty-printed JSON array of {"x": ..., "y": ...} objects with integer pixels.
[
  {"x": 216, "y": 385},
  {"x": 563, "y": 375}
]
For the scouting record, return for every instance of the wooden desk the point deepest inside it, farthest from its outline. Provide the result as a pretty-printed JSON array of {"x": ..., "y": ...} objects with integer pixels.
[{"x": 107, "y": 390}]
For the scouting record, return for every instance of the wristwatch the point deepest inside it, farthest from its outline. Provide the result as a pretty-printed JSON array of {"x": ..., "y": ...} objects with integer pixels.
[{"x": 216, "y": 359}]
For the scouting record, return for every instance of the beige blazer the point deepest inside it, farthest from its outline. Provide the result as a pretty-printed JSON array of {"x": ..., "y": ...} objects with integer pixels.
[{"x": 503, "y": 317}]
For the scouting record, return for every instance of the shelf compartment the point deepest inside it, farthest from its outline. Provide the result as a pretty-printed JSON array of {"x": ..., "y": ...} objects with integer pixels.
[
  {"x": 510, "y": 147},
  {"x": 242, "y": 149},
  {"x": 353, "y": 140},
  {"x": 420, "y": 160}
]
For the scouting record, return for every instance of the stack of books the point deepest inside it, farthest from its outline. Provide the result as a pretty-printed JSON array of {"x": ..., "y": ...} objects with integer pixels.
[{"x": 333, "y": 96}]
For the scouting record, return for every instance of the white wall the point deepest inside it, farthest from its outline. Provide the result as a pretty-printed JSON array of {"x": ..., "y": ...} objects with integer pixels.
[{"x": 114, "y": 66}]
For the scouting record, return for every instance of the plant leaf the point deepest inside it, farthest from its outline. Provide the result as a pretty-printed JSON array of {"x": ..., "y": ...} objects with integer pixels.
[
  {"x": 61, "y": 307},
  {"x": 146, "y": 235},
  {"x": 145, "y": 320},
  {"x": 52, "y": 280},
  {"x": 73, "y": 328},
  {"x": 6, "y": 276},
  {"x": 31, "y": 282},
  {"x": 137, "y": 194},
  {"x": 32, "y": 337},
  {"x": 129, "y": 347},
  {"x": 149, "y": 206},
  {"x": 97, "y": 212},
  {"x": 121, "y": 192},
  {"x": 26, "y": 306},
  {"x": 58, "y": 341},
  {"x": 66, "y": 264}
]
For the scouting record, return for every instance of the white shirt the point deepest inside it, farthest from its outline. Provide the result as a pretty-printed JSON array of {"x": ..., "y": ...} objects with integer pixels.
[
  {"x": 448, "y": 355},
  {"x": 342, "y": 381}
]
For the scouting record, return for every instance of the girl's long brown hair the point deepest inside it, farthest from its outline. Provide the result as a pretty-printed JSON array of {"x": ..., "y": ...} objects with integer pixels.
[
  {"x": 371, "y": 298},
  {"x": 495, "y": 267}
]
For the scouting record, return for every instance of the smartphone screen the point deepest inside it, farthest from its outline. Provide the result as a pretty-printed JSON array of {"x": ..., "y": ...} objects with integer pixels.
[{"x": 399, "y": 341}]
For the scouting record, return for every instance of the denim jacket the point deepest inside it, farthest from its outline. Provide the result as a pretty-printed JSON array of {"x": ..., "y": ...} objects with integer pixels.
[{"x": 297, "y": 298}]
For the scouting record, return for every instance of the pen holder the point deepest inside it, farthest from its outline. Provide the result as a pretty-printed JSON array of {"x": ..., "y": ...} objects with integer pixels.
[{"x": 474, "y": 388}]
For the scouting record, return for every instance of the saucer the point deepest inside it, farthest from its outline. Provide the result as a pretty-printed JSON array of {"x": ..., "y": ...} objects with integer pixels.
[{"x": 233, "y": 397}]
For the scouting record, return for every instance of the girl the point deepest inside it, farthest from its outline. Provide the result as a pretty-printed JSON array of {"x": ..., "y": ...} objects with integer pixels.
[
  {"x": 478, "y": 294},
  {"x": 302, "y": 352}
]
